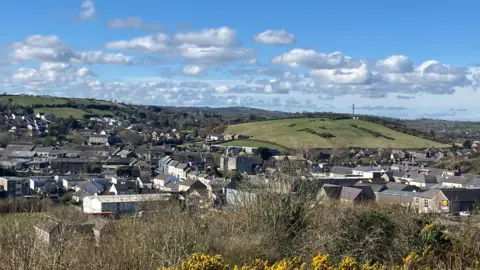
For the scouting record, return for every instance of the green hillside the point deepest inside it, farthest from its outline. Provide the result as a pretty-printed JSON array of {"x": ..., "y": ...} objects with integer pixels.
[
  {"x": 65, "y": 107},
  {"x": 323, "y": 133}
]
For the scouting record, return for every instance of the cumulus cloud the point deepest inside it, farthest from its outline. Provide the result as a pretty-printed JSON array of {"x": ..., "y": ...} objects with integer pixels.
[
  {"x": 395, "y": 64},
  {"x": 88, "y": 11},
  {"x": 361, "y": 75},
  {"x": 193, "y": 70},
  {"x": 134, "y": 23},
  {"x": 148, "y": 44},
  {"x": 275, "y": 37},
  {"x": 51, "y": 49},
  {"x": 213, "y": 54},
  {"x": 297, "y": 58},
  {"x": 100, "y": 57},
  {"x": 222, "y": 89},
  {"x": 221, "y": 37}
]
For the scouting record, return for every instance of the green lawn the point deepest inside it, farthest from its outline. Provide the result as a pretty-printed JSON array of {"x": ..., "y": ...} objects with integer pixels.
[
  {"x": 291, "y": 133},
  {"x": 62, "y": 112},
  {"x": 254, "y": 143},
  {"x": 29, "y": 100}
]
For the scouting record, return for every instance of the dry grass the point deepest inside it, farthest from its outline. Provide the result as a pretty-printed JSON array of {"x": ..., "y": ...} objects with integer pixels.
[{"x": 276, "y": 226}]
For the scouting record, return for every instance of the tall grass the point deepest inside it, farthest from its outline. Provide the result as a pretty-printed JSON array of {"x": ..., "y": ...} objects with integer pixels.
[{"x": 278, "y": 225}]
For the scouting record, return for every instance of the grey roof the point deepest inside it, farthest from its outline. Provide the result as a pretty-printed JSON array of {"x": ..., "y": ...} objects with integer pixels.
[
  {"x": 22, "y": 154},
  {"x": 427, "y": 194},
  {"x": 182, "y": 166},
  {"x": 366, "y": 169},
  {"x": 462, "y": 180},
  {"x": 398, "y": 192},
  {"x": 18, "y": 147},
  {"x": 349, "y": 193},
  {"x": 43, "y": 149},
  {"x": 461, "y": 194},
  {"x": 173, "y": 163},
  {"x": 194, "y": 173},
  {"x": 162, "y": 176},
  {"x": 398, "y": 173},
  {"x": 400, "y": 186},
  {"x": 374, "y": 187},
  {"x": 341, "y": 170},
  {"x": 426, "y": 178},
  {"x": 123, "y": 153},
  {"x": 165, "y": 158},
  {"x": 124, "y": 187},
  {"x": 187, "y": 182},
  {"x": 332, "y": 191}
]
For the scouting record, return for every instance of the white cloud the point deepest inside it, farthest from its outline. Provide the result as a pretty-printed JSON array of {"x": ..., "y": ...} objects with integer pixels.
[
  {"x": 275, "y": 37},
  {"x": 251, "y": 62},
  {"x": 395, "y": 64},
  {"x": 359, "y": 75},
  {"x": 100, "y": 57},
  {"x": 213, "y": 54},
  {"x": 221, "y": 37},
  {"x": 193, "y": 70},
  {"x": 52, "y": 50},
  {"x": 135, "y": 23},
  {"x": 88, "y": 11},
  {"x": 43, "y": 48},
  {"x": 311, "y": 59},
  {"x": 148, "y": 44},
  {"x": 222, "y": 89}
]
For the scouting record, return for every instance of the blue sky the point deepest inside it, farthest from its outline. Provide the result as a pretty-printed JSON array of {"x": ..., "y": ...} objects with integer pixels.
[{"x": 397, "y": 58}]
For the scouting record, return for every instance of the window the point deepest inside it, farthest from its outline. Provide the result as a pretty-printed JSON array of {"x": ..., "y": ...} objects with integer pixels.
[{"x": 425, "y": 203}]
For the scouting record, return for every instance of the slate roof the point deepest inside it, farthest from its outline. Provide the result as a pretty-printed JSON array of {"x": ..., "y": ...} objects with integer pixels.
[
  {"x": 182, "y": 166},
  {"x": 43, "y": 149},
  {"x": 332, "y": 191},
  {"x": 461, "y": 194},
  {"x": 341, "y": 170},
  {"x": 426, "y": 178},
  {"x": 188, "y": 182},
  {"x": 374, "y": 187},
  {"x": 349, "y": 193}
]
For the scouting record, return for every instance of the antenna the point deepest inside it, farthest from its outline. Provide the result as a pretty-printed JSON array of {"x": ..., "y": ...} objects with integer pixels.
[{"x": 353, "y": 111}]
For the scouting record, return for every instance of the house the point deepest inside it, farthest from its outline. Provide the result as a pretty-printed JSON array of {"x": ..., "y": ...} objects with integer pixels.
[
  {"x": 178, "y": 169},
  {"x": 163, "y": 164},
  {"x": 368, "y": 172},
  {"x": 447, "y": 200},
  {"x": 339, "y": 172},
  {"x": 356, "y": 194},
  {"x": 124, "y": 188},
  {"x": 111, "y": 165},
  {"x": 162, "y": 179},
  {"x": 144, "y": 182},
  {"x": 214, "y": 137},
  {"x": 141, "y": 169},
  {"x": 92, "y": 188},
  {"x": 43, "y": 184},
  {"x": 424, "y": 180},
  {"x": 243, "y": 164},
  {"x": 98, "y": 139},
  {"x": 42, "y": 153},
  {"x": 126, "y": 154},
  {"x": 14, "y": 186},
  {"x": 402, "y": 187},
  {"x": 75, "y": 165},
  {"x": 191, "y": 184},
  {"x": 120, "y": 204}
]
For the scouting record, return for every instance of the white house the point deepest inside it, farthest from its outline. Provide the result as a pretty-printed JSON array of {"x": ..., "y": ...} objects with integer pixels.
[
  {"x": 178, "y": 169},
  {"x": 119, "y": 204}
]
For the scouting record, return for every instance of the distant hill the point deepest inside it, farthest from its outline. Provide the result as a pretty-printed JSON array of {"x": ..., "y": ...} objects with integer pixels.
[{"x": 306, "y": 133}]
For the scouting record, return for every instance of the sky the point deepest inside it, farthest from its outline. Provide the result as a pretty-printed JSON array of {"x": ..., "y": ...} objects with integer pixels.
[{"x": 406, "y": 59}]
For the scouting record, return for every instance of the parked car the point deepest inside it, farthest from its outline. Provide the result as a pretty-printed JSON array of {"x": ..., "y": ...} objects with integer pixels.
[{"x": 465, "y": 214}]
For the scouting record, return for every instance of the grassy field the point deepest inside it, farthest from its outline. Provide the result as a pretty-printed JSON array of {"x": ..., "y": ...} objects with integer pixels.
[
  {"x": 34, "y": 100},
  {"x": 254, "y": 143},
  {"x": 62, "y": 112},
  {"x": 305, "y": 133}
]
